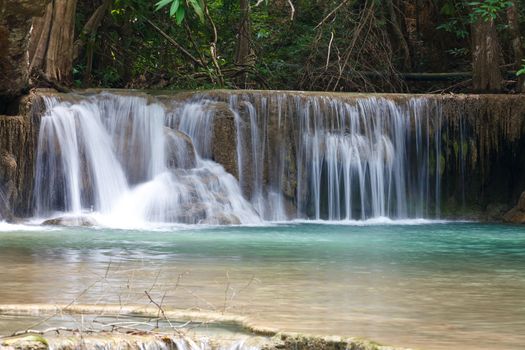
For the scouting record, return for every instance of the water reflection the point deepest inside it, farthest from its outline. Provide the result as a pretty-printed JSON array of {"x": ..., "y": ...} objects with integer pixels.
[{"x": 428, "y": 286}]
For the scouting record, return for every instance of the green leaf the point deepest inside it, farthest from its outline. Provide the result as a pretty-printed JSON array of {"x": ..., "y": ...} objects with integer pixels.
[
  {"x": 521, "y": 71},
  {"x": 198, "y": 9},
  {"x": 174, "y": 7},
  {"x": 180, "y": 15},
  {"x": 161, "y": 4}
]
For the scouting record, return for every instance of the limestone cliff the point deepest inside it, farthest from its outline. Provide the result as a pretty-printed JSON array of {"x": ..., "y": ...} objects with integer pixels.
[
  {"x": 18, "y": 139},
  {"x": 480, "y": 163}
]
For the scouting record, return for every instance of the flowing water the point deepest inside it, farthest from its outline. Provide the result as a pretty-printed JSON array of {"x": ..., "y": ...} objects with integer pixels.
[
  {"x": 429, "y": 286},
  {"x": 130, "y": 157}
]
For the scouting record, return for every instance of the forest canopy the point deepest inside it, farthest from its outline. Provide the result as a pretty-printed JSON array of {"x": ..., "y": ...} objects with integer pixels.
[{"x": 334, "y": 45}]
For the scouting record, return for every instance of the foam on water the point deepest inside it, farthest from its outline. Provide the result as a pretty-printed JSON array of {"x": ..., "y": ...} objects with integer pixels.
[{"x": 7, "y": 227}]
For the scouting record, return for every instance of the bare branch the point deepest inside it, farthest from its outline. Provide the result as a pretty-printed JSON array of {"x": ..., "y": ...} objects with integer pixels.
[{"x": 330, "y": 14}]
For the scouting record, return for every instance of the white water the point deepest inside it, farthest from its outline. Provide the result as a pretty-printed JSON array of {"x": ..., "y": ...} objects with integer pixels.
[
  {"x": 116, "y": 342},
  {"x": 129, "y": 162},
  {"x": 374, "y": 158},
  {"x": 109, "y": 155}
]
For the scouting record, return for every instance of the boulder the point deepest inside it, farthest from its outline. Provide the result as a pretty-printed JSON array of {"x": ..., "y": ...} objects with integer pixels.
[
  {"x": 517, "y": 214},
  {"x": 180, "y": 152},
  {"x": 71, "y": 221},
  {"x": 222, "y": 219},
  {"x": 224, "y": 143}
]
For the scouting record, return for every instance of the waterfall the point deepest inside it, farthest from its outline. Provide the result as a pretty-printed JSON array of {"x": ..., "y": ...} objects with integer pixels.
[
  {"x": 4, "y": 205},
  {"x": 117, "y": 156},
  {"x": 138, "y": 159},
  {"x": 370, "y": 158}
]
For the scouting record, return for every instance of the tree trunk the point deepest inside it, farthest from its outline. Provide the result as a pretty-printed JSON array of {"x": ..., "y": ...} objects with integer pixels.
[
  {"x": 52, "y": 44},
  {"x": 396, "y": 29},
  {"x": 15, "y": 27},
  {"x": 514, "y": 29},
  {"x": 486, "y": 74},
  {"x": 243, "y": 50},
  {"x": 90, "y": 28}
]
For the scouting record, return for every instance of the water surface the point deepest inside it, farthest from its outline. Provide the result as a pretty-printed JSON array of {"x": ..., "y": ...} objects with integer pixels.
[{"x": 431, "y": 286}]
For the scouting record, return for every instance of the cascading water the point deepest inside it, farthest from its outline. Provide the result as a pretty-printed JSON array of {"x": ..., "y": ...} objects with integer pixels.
[
  {"x": 346, "y": 161},
  {"x": 116, "y": 156},
  {"x": 4, "y": 205},
  {"x": 133, "y": 159}
]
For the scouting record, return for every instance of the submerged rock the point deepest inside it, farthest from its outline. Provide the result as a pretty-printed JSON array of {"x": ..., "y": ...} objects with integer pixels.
[
  {"x": 222, "y": 219},
  {"x": 517, "y": 214},
  {"x": 71, "y": 221}
]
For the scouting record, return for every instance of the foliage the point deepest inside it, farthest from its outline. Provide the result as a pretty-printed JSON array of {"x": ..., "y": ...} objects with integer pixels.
[
  {"x": 333, "y": 44},
  {"x": 521, "y": 71},
  {"x": 456, "y": 23},
  {"x": 488, "y": 9},
  {"x": 178, "y": 8}
]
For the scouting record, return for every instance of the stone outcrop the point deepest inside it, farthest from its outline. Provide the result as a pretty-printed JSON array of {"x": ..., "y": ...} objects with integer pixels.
[
  {"x": 70, "y": 340},
  {"x": 15, "y": 25},
  {"x": 18, "y": 140},
  {"x": 71, "y": 221},
  {"x": 179, "y": 149},
  {"x": 224, "y": 143},
  {"x": 517, "y": 214}
]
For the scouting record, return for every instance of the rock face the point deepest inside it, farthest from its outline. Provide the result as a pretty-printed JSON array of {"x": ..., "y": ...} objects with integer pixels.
[
  {"x": 517, "y": 214},
  {"x": 18, "y": 140},
  {"x": 180, "y": 152},
  {"x": 15, "y": 26},
  {"x": 8, "y": 190},
  {"x": 482, "y": 142},
  {"x": 224, "y": 144}
]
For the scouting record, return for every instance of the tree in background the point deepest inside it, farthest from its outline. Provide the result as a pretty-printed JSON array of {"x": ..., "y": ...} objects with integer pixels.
[
  {"x": 51, "y": 45},
  {"x": 335, "y": 45},
  {"x": 513, "y": 17},
  {"x": 486, "y": 48}
]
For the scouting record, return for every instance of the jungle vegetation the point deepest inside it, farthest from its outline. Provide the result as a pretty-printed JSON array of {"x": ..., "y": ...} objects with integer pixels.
[{"x": 329, "y": 45}]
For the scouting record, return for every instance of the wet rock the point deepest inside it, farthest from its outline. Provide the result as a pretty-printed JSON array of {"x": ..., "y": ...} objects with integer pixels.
[
  {"x": 517, "y": 214},
  {"x": 180, "y": 152},
  {"x": 222, "y": 219},
  {"x": 28, "y": 342},
  {"x": 191, "y": 213},
  {"x": 71, "y": 221},
  {"x": 136, "y": 340},
  {"x": 307, "y": 342},
  {"x": 224, "y": 143},
  {"x": 8, "y": 190},
  {"x": 18, "y": 139}
]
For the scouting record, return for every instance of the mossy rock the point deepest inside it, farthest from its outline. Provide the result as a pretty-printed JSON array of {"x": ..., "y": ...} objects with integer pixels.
[{"x": 26, "y": 342}]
